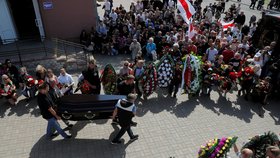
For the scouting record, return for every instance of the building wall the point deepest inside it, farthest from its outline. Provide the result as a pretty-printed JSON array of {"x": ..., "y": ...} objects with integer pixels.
[
  {"x": 7, "y": 29},
  {"x": 66, "y": 19}
]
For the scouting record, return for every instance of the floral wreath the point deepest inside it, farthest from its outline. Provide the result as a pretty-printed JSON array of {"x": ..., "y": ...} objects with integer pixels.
[{"x": 216, "y": 148}]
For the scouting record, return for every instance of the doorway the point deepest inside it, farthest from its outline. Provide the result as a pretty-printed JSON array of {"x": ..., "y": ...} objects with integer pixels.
[{"x": 24, "y": 18}]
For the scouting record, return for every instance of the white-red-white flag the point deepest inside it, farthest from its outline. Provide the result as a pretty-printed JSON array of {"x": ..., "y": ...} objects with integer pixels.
[
  {"x": 227, "y": 25},
  {"x": 186, "y": 10},
  {"x": 191, "y": 30}
]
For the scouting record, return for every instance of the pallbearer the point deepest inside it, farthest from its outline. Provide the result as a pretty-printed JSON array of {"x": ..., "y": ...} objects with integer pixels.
[{"x": 90, "y": 79}]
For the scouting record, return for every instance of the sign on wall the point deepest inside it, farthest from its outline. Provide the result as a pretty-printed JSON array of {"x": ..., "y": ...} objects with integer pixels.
[{"x": 48, "y": 5}]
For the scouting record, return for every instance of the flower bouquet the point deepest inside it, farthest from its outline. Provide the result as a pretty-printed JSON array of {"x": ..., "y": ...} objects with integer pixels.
[
  {"x": 109, "y": 79},
  {"x": 216, "y": 148}
]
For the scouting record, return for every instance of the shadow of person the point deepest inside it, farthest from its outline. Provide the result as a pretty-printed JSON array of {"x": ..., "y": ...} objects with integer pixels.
[
  {"x": 100, "y": 121},
  {"x": 239, "y": 108},
  {"x": 162, "y": 92},
  {"x": 274, "y": 110},
  {"x": 155, "y": 105},
  {"x": 4, "y": 107},
  {"x": 184, "y": 109},
  {"x": 84, "y": 148},
  {"x": 208, "y": 103},
  {"x": 79, "y": 125},
  {"x": 24, "y": 107},
  {"x": 247, "y": 108}
]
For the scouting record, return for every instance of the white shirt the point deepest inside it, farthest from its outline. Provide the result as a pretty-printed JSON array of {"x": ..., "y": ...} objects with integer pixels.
[
  {"x": 107, "y": 5},
  {"x": 234, "y": 30},
  {"x": 143, "y": 17},
  {"x": 66, "y": 80},
  {"x": 211, "y": 54},
  {"x": 229, "y": 38},
  {"x": 114, "y": 16}
]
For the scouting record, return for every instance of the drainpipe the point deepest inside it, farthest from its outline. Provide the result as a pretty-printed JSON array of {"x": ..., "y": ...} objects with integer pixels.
[{"x": 96, "y": 13}]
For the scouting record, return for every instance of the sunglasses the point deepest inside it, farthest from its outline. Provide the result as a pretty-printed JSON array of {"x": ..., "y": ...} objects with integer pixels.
[{"x": 5, "y": 78}]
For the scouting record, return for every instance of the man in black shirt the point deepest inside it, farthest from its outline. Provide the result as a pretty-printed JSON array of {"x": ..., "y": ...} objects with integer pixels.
[
  {"x": 236, "y": 62},
  {"x": 240, "y": 19},
  {"x": 125, "y": 110},
  {"x": 46, "y": 103},
  {"x": 127, "y": 86},
  {"x": 91, "y": 76},
  {"x": 176, "y": 80}
]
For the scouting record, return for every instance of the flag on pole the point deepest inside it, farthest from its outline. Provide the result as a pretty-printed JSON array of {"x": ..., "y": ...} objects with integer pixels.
[
  {"x": 186, "y": 10},
  {"x": 191, "y": 31},
  {"x": 227, "y": 25}
]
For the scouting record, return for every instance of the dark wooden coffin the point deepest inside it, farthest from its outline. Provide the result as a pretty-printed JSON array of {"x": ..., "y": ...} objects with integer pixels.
[{"x": 79, "y": 107}]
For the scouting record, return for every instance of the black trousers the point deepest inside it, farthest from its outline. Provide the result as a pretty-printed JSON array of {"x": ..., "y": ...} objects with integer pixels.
[
  {"x": 171, "y": 86},
  {"x": 252, "y": 5},
  {"x": 122, "y": 132}
]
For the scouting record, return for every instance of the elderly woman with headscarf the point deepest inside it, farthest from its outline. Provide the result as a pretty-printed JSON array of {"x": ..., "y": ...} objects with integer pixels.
[
  {"x": 135, "y": 48},
  {"x": 9, "y": 90}
]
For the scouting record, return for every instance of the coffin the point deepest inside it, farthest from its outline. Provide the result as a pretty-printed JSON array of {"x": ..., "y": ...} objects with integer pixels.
[{"x": 79, "y": 107}]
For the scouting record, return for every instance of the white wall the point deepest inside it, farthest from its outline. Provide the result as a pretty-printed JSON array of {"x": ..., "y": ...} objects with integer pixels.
[{"x": 7, "y": 29}]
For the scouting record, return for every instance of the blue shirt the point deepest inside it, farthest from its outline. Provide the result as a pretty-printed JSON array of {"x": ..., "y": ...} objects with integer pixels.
[{"x": 150, "y": 47}]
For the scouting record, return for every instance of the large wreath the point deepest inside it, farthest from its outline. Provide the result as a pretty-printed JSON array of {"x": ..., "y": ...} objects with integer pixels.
[
  {"x": 148, "y": 81},
  {"x": 109, "y": 79},
  {"x": 191, "y": 73},
  {"x": 165, "y": 69}
]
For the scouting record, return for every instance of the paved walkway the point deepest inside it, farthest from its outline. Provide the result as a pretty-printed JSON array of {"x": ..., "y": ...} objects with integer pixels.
[{"x": 167, "y": 127}]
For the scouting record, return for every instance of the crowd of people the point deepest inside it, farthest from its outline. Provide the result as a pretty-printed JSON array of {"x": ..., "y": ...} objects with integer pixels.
[{"x": 149, "y": 31}]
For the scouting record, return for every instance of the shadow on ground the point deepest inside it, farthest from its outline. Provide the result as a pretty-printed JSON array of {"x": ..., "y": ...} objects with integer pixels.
[
  {"x": 45, "y": 148},
  {"x": 20, "y": 109}
]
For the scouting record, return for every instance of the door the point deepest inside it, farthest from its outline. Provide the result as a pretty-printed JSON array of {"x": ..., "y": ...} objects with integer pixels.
[
  {"x": 7, "y": 29},
  {"x": 24, "y": 18},
  {"x": 38, "y": 20}
]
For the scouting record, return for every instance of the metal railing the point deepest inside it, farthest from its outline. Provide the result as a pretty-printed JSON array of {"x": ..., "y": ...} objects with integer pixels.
[
  {"x": 24, "y": 50},
  {"x": 63, "y": 46},
  {"x": 17, "y": 48}
]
